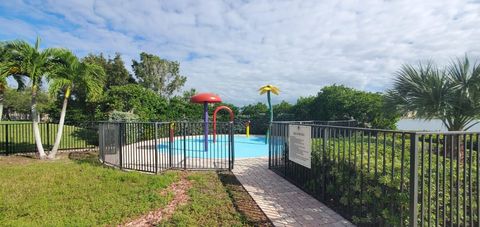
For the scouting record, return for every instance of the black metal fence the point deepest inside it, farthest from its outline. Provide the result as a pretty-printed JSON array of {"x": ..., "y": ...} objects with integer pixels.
[
  {"x": 17, "y": 137},
  {"x": 157, "y": 146},
  {"x": 387, "y": 178}
]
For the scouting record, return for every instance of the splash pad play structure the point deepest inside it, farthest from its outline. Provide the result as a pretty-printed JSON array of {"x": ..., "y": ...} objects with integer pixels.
[
  {"x": 158, "y": 146},
  {"x": 268, "y": 89},
  {"x": 205, "y": 99},
  {"x": 215, "y": 119},
  {"x": 248, "y": 146}
]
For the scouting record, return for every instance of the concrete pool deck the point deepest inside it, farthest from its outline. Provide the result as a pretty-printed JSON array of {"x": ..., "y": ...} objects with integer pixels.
[{"x": 282, "y": 202}]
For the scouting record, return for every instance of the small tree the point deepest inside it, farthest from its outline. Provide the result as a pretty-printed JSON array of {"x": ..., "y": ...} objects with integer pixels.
[
  {"x": 24, "y": 60},
  {"x": 159, "y": 75},
  {"x": 451, "y": 94},
  {"x": 69, "y": 74}
]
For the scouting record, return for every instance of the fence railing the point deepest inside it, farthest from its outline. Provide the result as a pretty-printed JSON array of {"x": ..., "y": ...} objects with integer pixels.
[
  {"x": 388, "y": 178},
  {"x": 17, "y": 137},
  {"x": 157, "y": 146},
  {"x": 346, "y": 123}
]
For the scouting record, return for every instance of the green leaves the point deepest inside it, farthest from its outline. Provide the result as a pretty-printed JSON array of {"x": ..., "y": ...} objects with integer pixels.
[
  {"x": 71, "y": 73},
  {"x": 133, "y": 98},
  {"x": 115, "y": 72},
  {"x": 159, "y": 75},
  {"x": 23, "y": 60},
  {"x": 338, "y": 102},
  {"x": 451, "y": 94}
]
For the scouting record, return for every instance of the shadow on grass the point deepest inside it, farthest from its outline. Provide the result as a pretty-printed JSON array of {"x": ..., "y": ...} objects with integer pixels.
[{"x": 243, "y": 202}]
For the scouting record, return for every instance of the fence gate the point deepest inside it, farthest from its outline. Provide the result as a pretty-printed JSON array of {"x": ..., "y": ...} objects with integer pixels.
[
  {"x": 109, "y": 143},
  {"x": 157, "y": 146}
]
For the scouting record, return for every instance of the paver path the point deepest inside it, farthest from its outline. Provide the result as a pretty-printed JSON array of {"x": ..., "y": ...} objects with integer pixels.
[{"x": 282, "y": 202}]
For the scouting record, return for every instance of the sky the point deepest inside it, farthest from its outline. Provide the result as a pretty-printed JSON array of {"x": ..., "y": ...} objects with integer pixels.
[{"x": 233, "y": 47}]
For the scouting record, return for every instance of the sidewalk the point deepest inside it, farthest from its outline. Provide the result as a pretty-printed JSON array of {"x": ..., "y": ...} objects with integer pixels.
[{"x": 282, "y": 202}]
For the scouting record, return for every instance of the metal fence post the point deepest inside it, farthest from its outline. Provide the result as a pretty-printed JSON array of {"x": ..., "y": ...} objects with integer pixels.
[
  {"x": 324, "y": 167},
  {"x": 184, "y": 145},
  {"x": 156, "y": 148},
  {"x": 101, "y": 141},
  {"x": 170, "y": 145},
  {"x": 232, "y": 144},
  {"x": 7, "y": 146},
  {"x": 229, "y": 148},
  {"x": 48, "y": 135},
  {"x": 286, "y": 149},
  {"x": 413, "y": 180},
  {"x": 120, "y": 135},
  {"x": 270, "y": 146}
]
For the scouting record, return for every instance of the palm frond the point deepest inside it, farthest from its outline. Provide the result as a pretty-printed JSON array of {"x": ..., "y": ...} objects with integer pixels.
[
  {"x": 58, "y": 85},
  {"x": 451, "y": 94},
  {"x": 421, "y": 89}
]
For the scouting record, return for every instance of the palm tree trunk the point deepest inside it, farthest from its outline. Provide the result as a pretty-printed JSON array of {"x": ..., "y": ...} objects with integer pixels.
[
  {"x": 61, "y": 123},
  {"x": 455, "y": 143},
  {"x": 1, "y": 108},
  {"x": 35, "y": 119},
  {"x": 271, "y": 117}
]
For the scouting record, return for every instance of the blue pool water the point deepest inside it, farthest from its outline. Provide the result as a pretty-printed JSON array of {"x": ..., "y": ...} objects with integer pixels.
[{"x": 253, "y": 146}]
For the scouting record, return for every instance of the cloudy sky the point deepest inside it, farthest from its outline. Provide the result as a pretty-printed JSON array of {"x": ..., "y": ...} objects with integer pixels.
[{"x": 233, "y": 47}]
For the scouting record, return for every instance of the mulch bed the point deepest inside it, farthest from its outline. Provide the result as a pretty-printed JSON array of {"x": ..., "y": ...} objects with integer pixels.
[{"x": 243, "y": 202}]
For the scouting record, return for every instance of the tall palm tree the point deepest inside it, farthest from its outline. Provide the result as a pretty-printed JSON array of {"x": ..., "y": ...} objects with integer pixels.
[
  {"x": 451, "y": 94},
  {"x": 69, "y": 75},
  {"x": 24, "y": 60},
  {"x": 269, "y": 89}
]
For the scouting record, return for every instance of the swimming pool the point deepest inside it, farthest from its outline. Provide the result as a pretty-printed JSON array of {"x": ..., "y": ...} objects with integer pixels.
[{"x": 245, "y": 147}]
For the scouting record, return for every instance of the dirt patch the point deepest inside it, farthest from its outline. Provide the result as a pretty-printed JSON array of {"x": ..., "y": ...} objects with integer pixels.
[
  {"x": 243, "y": 202},
  {"x": 80, "y": 156},
  {"x": 17, "y": 159},
  {"x": 179, "y": 190}
]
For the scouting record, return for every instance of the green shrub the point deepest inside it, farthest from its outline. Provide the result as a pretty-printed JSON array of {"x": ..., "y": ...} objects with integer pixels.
[{"x": 368, "y": 195}]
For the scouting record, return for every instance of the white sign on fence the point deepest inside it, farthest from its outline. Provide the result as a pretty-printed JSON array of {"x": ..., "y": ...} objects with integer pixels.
[{"x": 300, "y": 145}]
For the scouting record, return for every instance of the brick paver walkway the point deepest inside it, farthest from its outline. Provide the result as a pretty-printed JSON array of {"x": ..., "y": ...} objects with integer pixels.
[{"x": 282, "y": 202}]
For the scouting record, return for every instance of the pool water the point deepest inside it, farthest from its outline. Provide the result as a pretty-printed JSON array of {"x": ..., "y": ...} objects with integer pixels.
[
  {"x": 251, "y": 147},
  {"x": 244, "y": 147}
]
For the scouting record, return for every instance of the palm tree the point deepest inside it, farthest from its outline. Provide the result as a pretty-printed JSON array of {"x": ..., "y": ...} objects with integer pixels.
[
  {"x": 4, "y": 67},
  {"x": 451, "y": 94},
  {"x": 269, "y": 89},
  {"x": 24, "y": 60},
  {"x": 72, "y": 74}
]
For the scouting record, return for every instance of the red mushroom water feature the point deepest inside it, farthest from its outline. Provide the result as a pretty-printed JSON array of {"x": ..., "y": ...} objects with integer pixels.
[{"x": 205, "y": 98}]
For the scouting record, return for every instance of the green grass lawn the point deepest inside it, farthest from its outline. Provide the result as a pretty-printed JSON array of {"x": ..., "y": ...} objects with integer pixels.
[
  {"x": 79, "y": 191},
  {"x": 209, "y": 205},
  {"x": 20, "y": 136}
]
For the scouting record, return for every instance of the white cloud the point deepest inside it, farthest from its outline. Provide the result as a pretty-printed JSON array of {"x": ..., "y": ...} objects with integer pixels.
[{"x": 298, "y": 45}]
